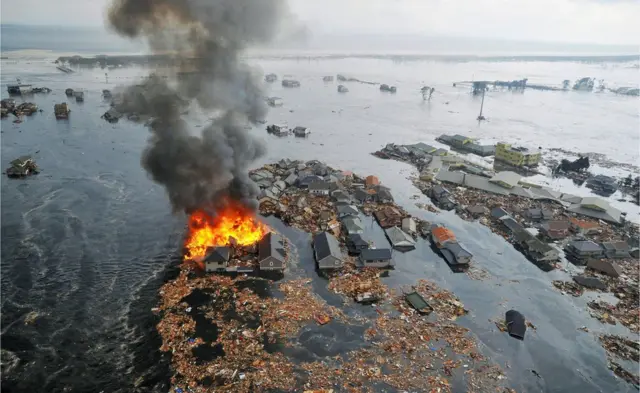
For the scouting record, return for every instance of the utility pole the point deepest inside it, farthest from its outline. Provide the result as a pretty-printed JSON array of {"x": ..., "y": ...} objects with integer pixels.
[{"x": 480, "y": 117}]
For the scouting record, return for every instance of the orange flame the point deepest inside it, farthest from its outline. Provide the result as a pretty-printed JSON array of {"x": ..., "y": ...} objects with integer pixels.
[{"x": 233, "y": 220}]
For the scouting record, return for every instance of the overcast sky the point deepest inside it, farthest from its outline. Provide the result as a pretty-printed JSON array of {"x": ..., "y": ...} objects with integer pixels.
[{"x": 587, "y": 21}]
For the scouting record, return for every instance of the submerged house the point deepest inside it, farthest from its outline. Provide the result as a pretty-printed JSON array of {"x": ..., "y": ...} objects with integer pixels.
[
  {"x": 538, "y": 251},
  {"x": 355, "y": 244},
  {"x": 580, "y": 251},
  {"x": 456, "y": 255},
  {"x": 375, "y": 257},
  {"x": 538, "y": 214},
  {"x": 555, "y": 230},
  {"x": 441, "y": 197},
  {"x": 301, "y": 132},
  {"x": 271, "y": 254},
  {"x": 290, "y": 83},
  {"x": 616, "y": 250},
  {"x": 327, "y": 251},
  {"x": 347, "y": 210},
  {"x": 400, "y": 240},
  {"x": 597, "y": 208},
  {"x": 352, "y": 225}
]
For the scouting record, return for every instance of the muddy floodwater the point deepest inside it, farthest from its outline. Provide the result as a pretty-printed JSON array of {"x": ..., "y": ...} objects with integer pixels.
[{"x": 87, "y": 243}]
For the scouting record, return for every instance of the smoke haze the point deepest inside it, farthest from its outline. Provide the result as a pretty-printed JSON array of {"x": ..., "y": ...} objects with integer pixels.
[{"x": 207, "y": 38}]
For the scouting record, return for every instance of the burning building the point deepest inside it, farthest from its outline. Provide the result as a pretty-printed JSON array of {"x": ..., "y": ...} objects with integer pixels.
[{"x": 203, "y": 171}]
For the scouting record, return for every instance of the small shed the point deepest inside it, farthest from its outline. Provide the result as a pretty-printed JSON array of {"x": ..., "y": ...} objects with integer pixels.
[
  {"x": 327, "y": 251},
  {"x": 301, "y": 132},
  {"x": 275, "y": 101},
  {"x": 409, "y": 225}
]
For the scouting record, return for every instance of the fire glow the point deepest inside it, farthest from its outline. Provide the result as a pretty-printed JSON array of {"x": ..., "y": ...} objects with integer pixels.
[{"x": 233, "y": 224}]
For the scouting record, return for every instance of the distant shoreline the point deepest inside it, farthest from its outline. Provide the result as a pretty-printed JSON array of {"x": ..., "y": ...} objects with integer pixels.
[{"x": 16, "y": 54}]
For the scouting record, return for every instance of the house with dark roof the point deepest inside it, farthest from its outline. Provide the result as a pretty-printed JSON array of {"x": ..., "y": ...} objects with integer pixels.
[
  {"x": 375, "y": 257},
  {"x": 400, "y": 240},
  {"x": 271, "y": 253},
  {"x": 511, "y": 224},
  {"x": 362, "y": 196},
  {"x": 355, "y": 244},
  {"x": 340, "y": 196},
  {"x": 616, "y": 250},
  {"x": 352, "y": 225},
  {"x": 541, "y": 253},
  {"x": 538, "y": 214},
  {"x": 498, "y": 212},
  {"x": 455, "y": 255},
  {"x": 441, "y": 197},
  {"x": 306, "y": 181},
  {"x": 579, "y": 251},
  {"x": 347, "y": 210},
  {"x": 610, "y": 268},
  {"x": 384, "y": 196},
  {"x": 217, "y": 258},
  {"x": 327, "y": 251},
  {"x": 319, "y": 188},
  {"x": 555, "y": 230}
]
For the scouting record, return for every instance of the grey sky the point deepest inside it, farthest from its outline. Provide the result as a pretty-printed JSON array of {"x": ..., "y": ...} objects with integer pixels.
[{"x": 589, "y": 21}]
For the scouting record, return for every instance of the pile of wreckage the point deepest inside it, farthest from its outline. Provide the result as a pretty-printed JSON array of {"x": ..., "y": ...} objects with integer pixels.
[
  {"x": 218, "y": 331},
  {"x": 283, "y": 131},
  {"x": 8, "y": 105},
  {"x": 22, "y": 167},
  {"x": 327, "y": 203}
]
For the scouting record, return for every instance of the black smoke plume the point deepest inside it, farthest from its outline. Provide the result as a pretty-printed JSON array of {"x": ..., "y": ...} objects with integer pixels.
[{"x": 204, "y": 40}]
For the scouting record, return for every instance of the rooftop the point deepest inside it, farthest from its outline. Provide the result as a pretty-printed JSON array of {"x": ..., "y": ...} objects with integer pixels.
[
  {"x": 326, "y": 245},
  {"x": 374, "y": 254},
  {"x": 509, "y": 178}
]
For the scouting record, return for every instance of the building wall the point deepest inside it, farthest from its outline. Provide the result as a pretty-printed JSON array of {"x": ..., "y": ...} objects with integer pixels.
[
  {"x": 329, "y": 262},
  {"x": 271, "y": 263},
  {"x": 514, "y": 157},
  {"x": 376, "y": 264},
  {"x": 213, "y": 266}
]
